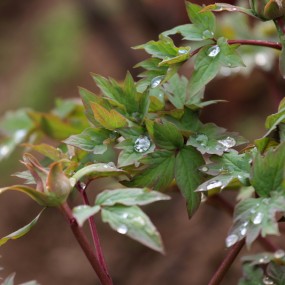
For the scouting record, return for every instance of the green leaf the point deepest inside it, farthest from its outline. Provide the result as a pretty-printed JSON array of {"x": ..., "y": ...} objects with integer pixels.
[
  {"x": 48, "y": 151},
  {"x": 93, "y": 171},
  {"x": 255, "y": 216},
  {"x": 188, "y": 177},
  {"x": 26, "y": 175},
  {"x": 53, "y": 126},
  {"x": 9, "y": 280},
  {"x": 251, "y": 275},
  {"x": 84, "y": 212},
  {"x": 110, "y": 120},
  {"x": 276, "y": 272},
  {"x": 22, "y": 231},
  {"x": 128, "y": 155},
  {"x": 167, "y": 136},
  {"x": 158, "y": 173},
  {"x": 271, "y": 166},
  {"x": 91, "y": 139},
  {"x": 208, "y": 63},
  {"x": 129, "y": 197},
  {"x": 134, "y": 223},
  {"x": 227, "y": 169},
  {"x": 211, "y": 139}
]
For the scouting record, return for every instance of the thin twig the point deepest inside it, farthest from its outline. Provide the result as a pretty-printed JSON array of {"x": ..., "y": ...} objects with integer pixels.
[
  {"x": 85, "y": 245},
  {"x": 226, "y": 263},
  {"x": 93, "y": 229}
]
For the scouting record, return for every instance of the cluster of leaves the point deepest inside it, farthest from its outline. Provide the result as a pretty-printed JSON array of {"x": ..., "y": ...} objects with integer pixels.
[{"x": 147, "y": 135}]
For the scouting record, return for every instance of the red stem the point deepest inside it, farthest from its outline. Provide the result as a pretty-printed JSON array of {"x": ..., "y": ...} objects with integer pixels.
[
  {"x": 226, "y": 263},
  {"x": 85, "y": 245},
  {"x": 93, "y": 229}
]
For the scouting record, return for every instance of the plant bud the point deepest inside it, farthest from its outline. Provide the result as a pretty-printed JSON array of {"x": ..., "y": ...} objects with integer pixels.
[{"x": 268, "y": 9}]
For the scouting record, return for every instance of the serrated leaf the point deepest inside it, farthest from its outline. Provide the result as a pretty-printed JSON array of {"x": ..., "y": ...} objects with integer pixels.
[
  {"x": 158, "y": 173},
  {"x": 276, "y": 273},
  {"x": 211, "y": 139},
  {"x": 22, "y": 231},
  {"x": 84, "y": 212},
  {"x": 255, "y": 216},
  {"x": 133, "y": 222},
  {"x": 188, "y": 177},
  {"x": 110, "y": 120},
  {"x": 93, "y": 171},
  {"x": 227, "y": 169},
  {"x": 271, "y": 167},
  {"x": 91, "y": 139},
  {"x": 128, "y": 155},
  {"x": 26, "y": 175},
  {"x": 129, "y": 197},
  {"x": 167, "y": 136}
]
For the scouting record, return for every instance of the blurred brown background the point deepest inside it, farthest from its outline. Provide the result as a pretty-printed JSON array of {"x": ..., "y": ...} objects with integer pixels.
[{"x": 47, "y": 49}]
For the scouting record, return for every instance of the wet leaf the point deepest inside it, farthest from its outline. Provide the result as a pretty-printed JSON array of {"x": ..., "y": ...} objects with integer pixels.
[
  {"x": 91, "y": 139},
  {"x": 251, "y": 275},
  {"x": 21, "y": 232},
  {"x": 268, "y": 171},
  {"x": 211, "y": 139},
  {"x": 188, "y": 177},
  {"x": 129, "y": 197},
  {"x": 167, "y": 136},
  {"x": 110, "y": 120},
  {"x": 255, "y": 216},
  {"x": 84, "y": 212},
  {"x": 157, "y": 173},
  {"x": 134, "y": 223}
]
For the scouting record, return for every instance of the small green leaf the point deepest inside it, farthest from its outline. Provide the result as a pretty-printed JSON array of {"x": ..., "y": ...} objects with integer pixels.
[
  {"x": 209, "y": 138},
  {"x": 167, "y": 136},
  {"x": 133, "y": 222},
  {"x": 157, "y": 173},
  {"x": 22, "y": 231},
  {"x": 96, "y": 170},
  {"x": 129, "y": 197},
  {"x": 110, "y": 120},
  {"x": 271, "y": 167},
  {"x": 91, "y": 139},
  {"x": 255, "y": 216},
  {"x": 84, "y": 212},
  {"x": 227, "y": 169},
  {"x": 188, "y": 177},
  {"x": 251, "y": 275}
]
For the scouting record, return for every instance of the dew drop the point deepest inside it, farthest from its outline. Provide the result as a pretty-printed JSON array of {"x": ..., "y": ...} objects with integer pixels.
[
  {"x": 280, "y": 253},
  {"x": 72, "y": 181},
  {"x": 4, "y": 150},
  {"x": 122, "y": 229},
  {"x": 267, "y": 281},
  {"x": 82, "y": 185},
  {"x": 139, "y": 220},
  {"x": 213, "y": 51},
  {"x": 19, "y": 135},
  {"x": 208, "y": 34},
  {"x": 183, "y": 51},
  {"x": 258, "y": 218},
  {"x": 142, "y": 144},
  {"x": 214, "y": 184},
  {"x": 263, "y": 260},
  {"x": 243, "y": 231},
  {"x": 204, "y": 168},
  {"x": 125, "y": 215},
  {"x": 156, "y": 81},
  {"x": 111, "y": 164},
  {"x": 231, "y": 240},
  {"x": 228, "y": 142}
]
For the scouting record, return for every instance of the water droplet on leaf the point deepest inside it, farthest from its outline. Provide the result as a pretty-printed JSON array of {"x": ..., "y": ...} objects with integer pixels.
[
  {"x": 231, "y": 240},
  {"x": 82, "y": 185},
  {"x": 156, "y": 81},
  {"x": 125, "y": 215},
  {"x": 4, "y": 150},
  {"x": 267, "y": 281},
  {"x": 263, "y": 260},
  {"x": 258, "y": 218},
  {"x": 139, "y": 220},
  {"x": 227, "y": 142},
  {"x": 111, "y": 164},
  {"x": 213, "y": 51},
  {"x": 183, "y": 51},
  {"x": 208, "y": 34},
  {"x": 204, "y": 168},
  {"x": 19, "y": 135},
  {"x": 214, "y": 184},
  {"x": 280, "y": 253},
  {"x": 142, "y": 144},
  {"x": 122, "y": 229},
  {"x": 202, "y": 139}
]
